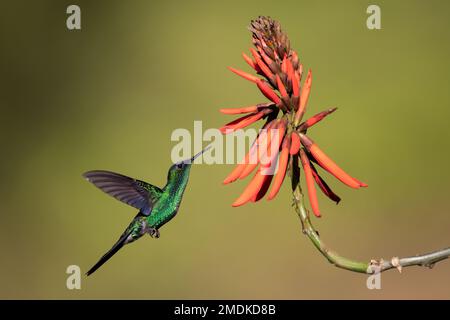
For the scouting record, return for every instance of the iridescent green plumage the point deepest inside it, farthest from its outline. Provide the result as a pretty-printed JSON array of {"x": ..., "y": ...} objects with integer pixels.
[{"x": 156, "y": 206}]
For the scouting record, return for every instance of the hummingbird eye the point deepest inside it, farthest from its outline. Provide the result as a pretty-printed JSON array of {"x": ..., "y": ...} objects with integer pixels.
[{"x": 180, "y": 165}]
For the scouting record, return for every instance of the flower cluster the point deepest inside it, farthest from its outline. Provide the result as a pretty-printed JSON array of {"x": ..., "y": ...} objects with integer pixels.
[{"x": 278, "y": 77}]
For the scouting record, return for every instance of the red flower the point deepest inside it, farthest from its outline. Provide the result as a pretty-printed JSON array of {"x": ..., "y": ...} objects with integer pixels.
[{"x": 279, "y": 75}]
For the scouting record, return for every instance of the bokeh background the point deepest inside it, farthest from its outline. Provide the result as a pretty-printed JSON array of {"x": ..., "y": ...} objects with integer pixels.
[{"x": 110, "y": 95}]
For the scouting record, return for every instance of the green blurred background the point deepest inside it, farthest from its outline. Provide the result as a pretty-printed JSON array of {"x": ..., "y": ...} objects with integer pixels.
[{"x": 109, "y": 96}]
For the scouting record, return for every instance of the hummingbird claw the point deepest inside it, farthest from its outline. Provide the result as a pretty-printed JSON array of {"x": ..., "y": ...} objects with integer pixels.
[{"x": 154, "y": 233}]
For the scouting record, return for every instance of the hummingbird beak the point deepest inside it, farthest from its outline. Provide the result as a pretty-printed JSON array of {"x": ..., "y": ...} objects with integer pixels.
[{"x": 198, "y": 154}]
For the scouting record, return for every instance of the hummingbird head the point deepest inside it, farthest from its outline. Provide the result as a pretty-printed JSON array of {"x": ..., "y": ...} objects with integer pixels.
[{"x": 179, "y": 172}]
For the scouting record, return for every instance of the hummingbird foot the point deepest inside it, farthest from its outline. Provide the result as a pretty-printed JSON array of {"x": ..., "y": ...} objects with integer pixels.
[{"x": 153, "y": 232}]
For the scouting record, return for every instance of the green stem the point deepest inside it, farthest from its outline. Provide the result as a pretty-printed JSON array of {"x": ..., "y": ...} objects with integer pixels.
[
  {"x": 425, "y": 260},
  {"x": 313, "y": 235}
]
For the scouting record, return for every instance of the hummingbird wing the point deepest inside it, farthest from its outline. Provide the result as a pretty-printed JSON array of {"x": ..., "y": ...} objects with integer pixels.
[{"x": 136, "y": 193}]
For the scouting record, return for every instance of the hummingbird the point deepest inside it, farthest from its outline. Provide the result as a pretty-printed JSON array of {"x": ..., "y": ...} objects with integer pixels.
[{"x": 156, "y": 206}]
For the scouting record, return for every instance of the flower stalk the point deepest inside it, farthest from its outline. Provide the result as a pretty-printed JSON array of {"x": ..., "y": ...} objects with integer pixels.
[{"x": 373, "y": 266}]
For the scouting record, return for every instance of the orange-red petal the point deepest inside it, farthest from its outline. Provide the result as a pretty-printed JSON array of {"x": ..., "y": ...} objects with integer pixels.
[
  {"x": 324, "y": 186},
  {"x": 252, "y": 188},
  {"x": 265, "y": 186},
  {"x": 294, "y": 58},
  {"x": 295, "y": 84},
  {"x": 244, "y": 121},
  {"x": 234, "y": 175},
  {"x": 304, "y": 97},
  {"x": 295, "y": 143},
  {"x": 265, "y": 57},
  {"x": 284, "y": 65},
  {"x": 281, "y": 87},
  {"x": 282, "y": 167},
  {"x": 275, "y": 143},
  {"x": 249, "y": 60},
  {"x": 237, "y": 171},
  {"x": 249, "y": 167},
  {"x": 289, "y": 69},
  {"x": 316, "y": 118},
  {"x": 310, "y": 183},
  {"x": 258, "y": 150},
  {"x": 245, "y": 75},
  {"x": 268, "y": 92},
  {"x": 264, "y": 68},
  {"x": 325, "y": 162},
  {"x": 239, "y": 110}
]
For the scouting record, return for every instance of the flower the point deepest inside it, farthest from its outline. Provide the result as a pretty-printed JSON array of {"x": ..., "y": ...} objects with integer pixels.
[{"x": 278, "y": 77}]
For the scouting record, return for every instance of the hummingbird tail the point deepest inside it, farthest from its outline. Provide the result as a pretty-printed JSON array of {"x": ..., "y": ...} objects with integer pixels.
[{"x": 116, "y": 247}]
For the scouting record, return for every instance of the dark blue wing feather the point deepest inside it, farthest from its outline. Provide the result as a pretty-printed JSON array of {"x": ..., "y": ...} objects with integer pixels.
[{"x": 135, "y": 193}]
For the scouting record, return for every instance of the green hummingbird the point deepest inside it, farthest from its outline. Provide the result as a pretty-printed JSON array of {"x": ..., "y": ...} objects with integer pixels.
[{"x": 156, "y": 206}]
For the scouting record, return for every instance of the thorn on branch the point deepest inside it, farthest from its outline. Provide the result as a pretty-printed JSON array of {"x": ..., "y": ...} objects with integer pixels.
[{"x": 395, "y": 261}]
